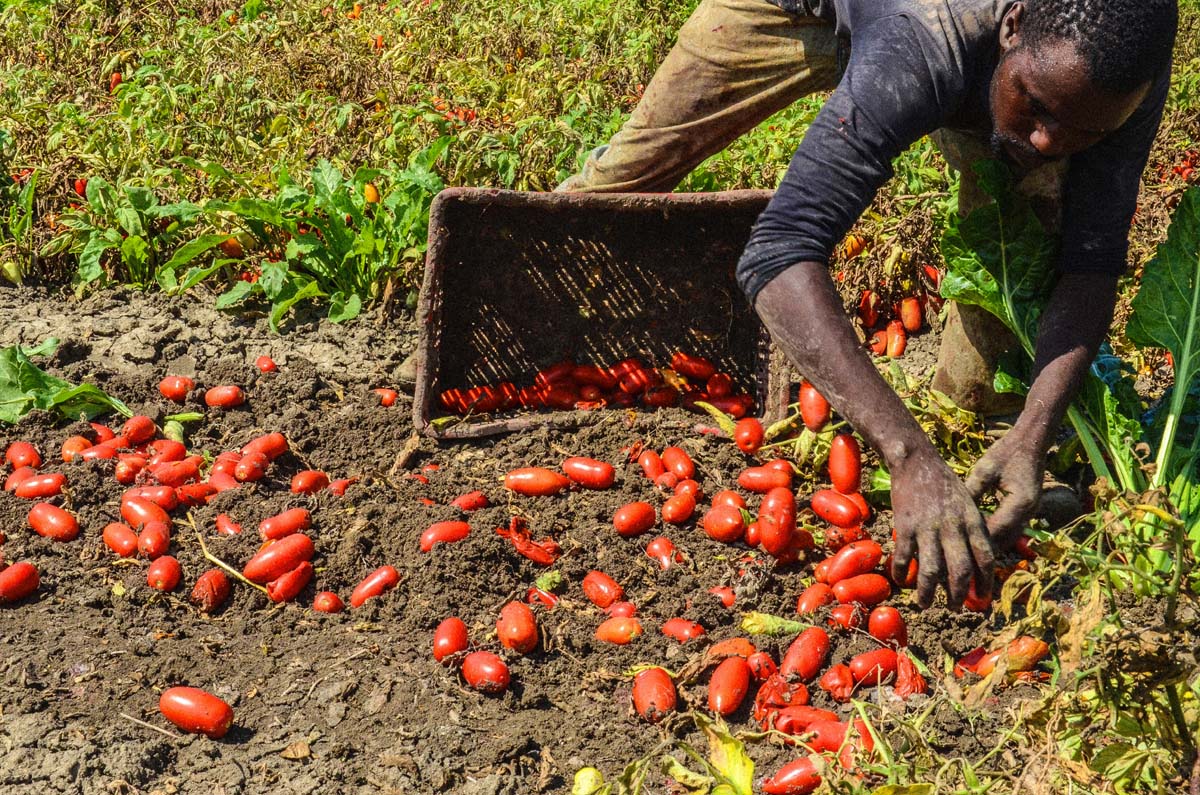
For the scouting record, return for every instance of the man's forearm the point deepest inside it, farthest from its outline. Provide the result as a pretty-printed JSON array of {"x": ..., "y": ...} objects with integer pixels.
[
  {"x": 1073, "y": 325},
  {"x": 807, "y": 321}
]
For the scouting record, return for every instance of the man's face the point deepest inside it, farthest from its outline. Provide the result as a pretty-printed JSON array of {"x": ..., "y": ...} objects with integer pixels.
[{"x": 1045, "y": 107}]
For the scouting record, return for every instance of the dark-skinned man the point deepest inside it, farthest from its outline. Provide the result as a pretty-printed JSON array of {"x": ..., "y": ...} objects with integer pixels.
[{"x": 1069, "y": 93}]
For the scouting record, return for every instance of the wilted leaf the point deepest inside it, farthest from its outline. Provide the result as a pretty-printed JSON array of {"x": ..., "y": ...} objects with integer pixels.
[
  {"x": 297, "y": 750},
  {"x": 693, "y": 782},
  {"x": 728, "y": 758}
]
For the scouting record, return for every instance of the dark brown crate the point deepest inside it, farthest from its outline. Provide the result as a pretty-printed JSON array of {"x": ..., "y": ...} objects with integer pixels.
[{"x": 516, "y": 281}]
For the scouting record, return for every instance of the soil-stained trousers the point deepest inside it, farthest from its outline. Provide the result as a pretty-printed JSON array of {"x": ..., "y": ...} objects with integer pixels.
[{"x": 734, "y": 64}]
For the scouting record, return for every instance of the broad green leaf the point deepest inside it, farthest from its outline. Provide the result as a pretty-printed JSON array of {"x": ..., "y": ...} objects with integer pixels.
[
  {"x": 274, "y": 279},
  {"x": 135, "y": 252},
  {"x": 999, "y": 258},
  {"x": 236, "y": 294},
  {"x": 130, "y": 221},
  {"x": 192, "y": 249},
  {"x": 24, "y": 387},
  {"x": 342, "y": 308},
  {"x": 1166, "y": 313},
  {"x": 281, "y": 307}
]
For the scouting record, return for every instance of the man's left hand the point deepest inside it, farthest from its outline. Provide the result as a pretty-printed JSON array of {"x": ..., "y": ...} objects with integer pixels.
[{"x": 1013, "y": 466}]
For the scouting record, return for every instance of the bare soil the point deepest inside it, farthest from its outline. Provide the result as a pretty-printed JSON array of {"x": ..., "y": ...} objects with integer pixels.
[{"x": 354, "y": 702}]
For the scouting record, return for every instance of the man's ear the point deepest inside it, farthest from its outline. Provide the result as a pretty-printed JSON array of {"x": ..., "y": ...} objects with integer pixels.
[{"x": 1010, "y": 27}]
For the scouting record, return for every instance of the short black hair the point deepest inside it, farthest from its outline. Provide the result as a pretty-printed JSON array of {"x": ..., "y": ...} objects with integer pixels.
[{"x": 1126, "y": 43}]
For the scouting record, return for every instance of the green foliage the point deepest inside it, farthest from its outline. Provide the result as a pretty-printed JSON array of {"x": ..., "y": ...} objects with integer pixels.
[{"x": 25, "y": 387}]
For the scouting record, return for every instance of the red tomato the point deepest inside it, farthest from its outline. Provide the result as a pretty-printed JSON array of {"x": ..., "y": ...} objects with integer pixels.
[
  {"x": 278, "y": 558},
  {"x": 692, "y": 366},
  {"x": 195, "y": 493},
  {"x": 663, "y": 550},
  {"x": 652, "y": 464},
  {"x": 288, "y": 586},
  {"x": 138, "y": 428},
  {"x": 309, "y": 481},
  {"x": 814, "y": 408},
  {"x": 622, "y": 610},
  {"x": 99, "y": 452},
  {"x": 676, "y": 460},
  {"x": 224, "y": 397},
  {"x": 18, "y": 476},
  {"x": 175, "y": 473},
  {"x": 535, "y": 481},
  {"x": 121, "y": 539},
  {"x": 725, "y": 594},
  {"x": 762, "y": 666},
  {"x": 471, "y": 501},
  {"x": 690, "y": 488},
  {"x": 878, "y": 343},
  {"x": 836, "y": 508},
  {"x": 283, "y": 524},
  {"x": 154, "y": 540},
  {"x": 594, "y": 375},
  {"x": 164, "y": 574},
  {"x": 910, "y": 314},
  {"x": 74, "y": 446},
  {"x": 847, "y": 616},
  {"x": 873, "y": 667},
  {"x": 763, "y": 479},
  {"x": 163, "y": 497},
  {"x": 860, "y": 557},
  {"x": 251, "y": 467},
  {"x": 377, "y": 582},
  {"x": 328, "y": 602},
  {"x": 211, "y": 590},
  {"x": 485, "y": 672},
  {"x": 387, "y": 397},
  {"x": 339, "y": 486},
  {"x": 798, "y": 777},
  {"x": 814, "y": 597},
  {"x": 266, "y": 364},
  {"x": 777, "y": 521},
  {"x": 226, "y": 526},
  {"x": 176, "y": 387},
  {"x": 753, "y": 534},
  {"x": 196, "y": 711},
  {"x": 634, "y": 518},
  {"x": 166, "y": 450},
  {"x": 806, "y": 655},
  {"x": 654, "y": 695},
  {"x": 619, "y": 630},
  {"x": 864, "y": 589},
  {"x": 728, "y": 497},
  {"x": 589, "y": 473},
  {"x": 18, "y": 581},
  {"x": 724, "y": 523},
  {"x": 974, "y": 602},
  {"x": 887, "y": 626},
  {"x": 272, "y": 445},
  {"x": 838, "y": 682},
  {"x": 601, "y": 590},
  {"x": 444, "y": 533},
  {"x": 795, "y": 719},
  {"x": 128, "y": 468},
  {"x": 678, "y": 509},
  {"x": 897, "y": 339},
  {"x": 681, "y": 629},
  {"x": 728, "y": 686},
  {"x": 661, "y": 397},
  {"x": 845, "y": 463},
  {"x": 50, "y": 521},
  {"x": 39, "y": 487},
  {"x": 23, "y": 454},
  {"x": 748, "y": 435},
  {"x": 449, "y": 638},
  {"x": 517, "y": 628}
]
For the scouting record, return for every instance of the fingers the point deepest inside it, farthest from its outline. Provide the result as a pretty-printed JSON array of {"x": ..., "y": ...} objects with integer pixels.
[
  {"x": 932, "y": 570},
  {"x": 906, "y": 548},
  {"x": 959, "y": 565},
  {"x": 983, "y": 555},
  {"x": 1011, "y": 515},
  {"x": 984, "y": 478}
]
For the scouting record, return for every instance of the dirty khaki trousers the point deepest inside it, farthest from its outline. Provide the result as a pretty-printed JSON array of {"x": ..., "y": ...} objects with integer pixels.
[{"x": 734, "y": 64}]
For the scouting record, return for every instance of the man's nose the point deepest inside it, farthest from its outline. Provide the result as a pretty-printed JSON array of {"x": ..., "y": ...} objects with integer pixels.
[{"x": 1049, "y": 140}]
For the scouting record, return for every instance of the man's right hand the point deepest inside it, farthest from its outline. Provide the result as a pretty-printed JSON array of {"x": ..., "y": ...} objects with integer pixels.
[{"x": 935, "y": 516}]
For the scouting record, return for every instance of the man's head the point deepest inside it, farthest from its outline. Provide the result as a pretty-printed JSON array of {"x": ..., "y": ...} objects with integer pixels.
[{"x": 1072, "y": 71}]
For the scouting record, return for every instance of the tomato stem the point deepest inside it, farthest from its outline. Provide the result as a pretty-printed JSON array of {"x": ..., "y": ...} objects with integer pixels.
[{"x": 217, "y": 561}]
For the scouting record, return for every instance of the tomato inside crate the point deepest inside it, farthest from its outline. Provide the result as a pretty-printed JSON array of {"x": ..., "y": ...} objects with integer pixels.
[{"x": 517, "y": 284}]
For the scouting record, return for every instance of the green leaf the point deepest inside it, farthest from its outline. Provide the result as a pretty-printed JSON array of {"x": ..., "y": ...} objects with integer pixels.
[
  {"x": 691, "y": 781},
  {"x": 192, "y": 249},
  {"x": 1166, "y": 313},
  {"x": 724, "y": 421},
  {"x": 236, "y": 294},
  {"x": 755, "y": 623},
  {"x": 24, "y": 387},
  {"x": 283, "y": 306},
  {"x": 905, "y": 789},
  {"x": 342, "y": 309}
]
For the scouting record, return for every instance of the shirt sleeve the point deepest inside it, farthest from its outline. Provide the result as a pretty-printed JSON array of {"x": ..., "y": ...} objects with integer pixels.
[
  {"x": 891, "y": 95},
  {"x": 1101, "y": 191}
]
